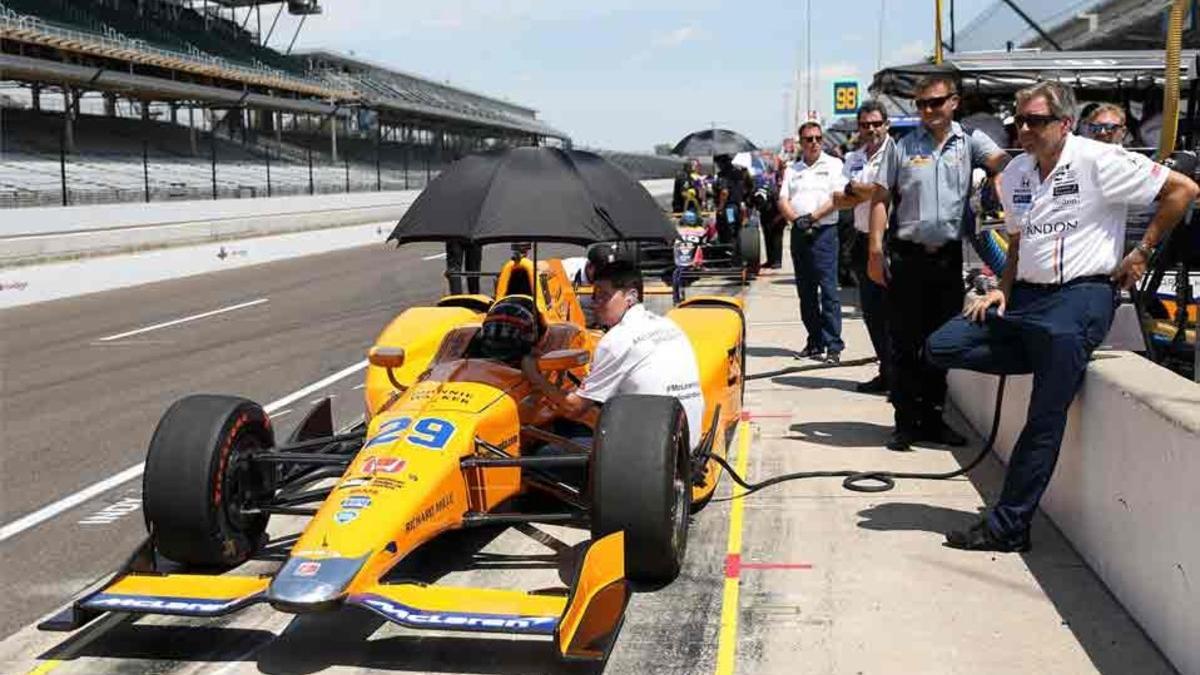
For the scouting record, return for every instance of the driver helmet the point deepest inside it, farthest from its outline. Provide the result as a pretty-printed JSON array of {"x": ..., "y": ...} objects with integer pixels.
[
  {"x": 510, "y": 330},
  {"x": 690, "y": 219}
]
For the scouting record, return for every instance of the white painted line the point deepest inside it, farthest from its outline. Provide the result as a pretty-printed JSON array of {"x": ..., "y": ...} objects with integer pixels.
[
  {"x": 71, "y": 501},
  {"x": 185, "y": 319},
  {"x": 439, "y": 256},
  {"x": 281, "y": 413},
  {"x": 322, "y": 398},
  {"x": 358, "y": 386}
]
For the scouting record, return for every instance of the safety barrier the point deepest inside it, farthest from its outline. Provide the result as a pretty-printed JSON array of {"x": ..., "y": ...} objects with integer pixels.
[
  {"x": 1125, "y": 489},
  {"x": 38, "y": 235}
]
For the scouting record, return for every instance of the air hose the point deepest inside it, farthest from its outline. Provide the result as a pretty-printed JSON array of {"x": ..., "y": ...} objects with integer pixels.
[{"x": 872, "y": 480}]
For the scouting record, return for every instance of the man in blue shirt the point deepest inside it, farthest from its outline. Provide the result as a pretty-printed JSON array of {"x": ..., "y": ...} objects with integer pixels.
[{"x": 926, "y": 178}]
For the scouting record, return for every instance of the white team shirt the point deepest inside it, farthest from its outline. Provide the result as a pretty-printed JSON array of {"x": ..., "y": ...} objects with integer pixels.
[
  {"x": 1073, "y": 223},
  {"x": 806, "y": 187},
  {"x": 862, "y": 169},
  {"x": 647, "y": 354}
]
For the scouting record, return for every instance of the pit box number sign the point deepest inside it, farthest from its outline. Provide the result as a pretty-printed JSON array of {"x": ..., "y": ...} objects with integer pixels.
[{"x": 845, "y": 98}]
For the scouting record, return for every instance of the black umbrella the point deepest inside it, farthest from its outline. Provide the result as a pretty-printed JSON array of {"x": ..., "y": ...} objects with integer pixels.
[
  {"x": 533, "y": 194},
  {"x": 712, "y": 142}
]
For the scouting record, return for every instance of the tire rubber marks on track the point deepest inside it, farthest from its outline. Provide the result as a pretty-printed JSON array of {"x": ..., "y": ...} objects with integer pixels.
[
  {"x": 186, "y": 319},
  {"x": 96, "y": 489}
]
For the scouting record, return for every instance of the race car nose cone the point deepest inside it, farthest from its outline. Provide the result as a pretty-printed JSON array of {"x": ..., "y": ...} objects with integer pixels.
[{"x": 309, "y": 585}]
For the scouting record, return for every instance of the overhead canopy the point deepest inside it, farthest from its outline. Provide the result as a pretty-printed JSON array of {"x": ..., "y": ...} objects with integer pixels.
[
  {"x": 1006, "y": 72},
  {"x": 534, "y": 194}
]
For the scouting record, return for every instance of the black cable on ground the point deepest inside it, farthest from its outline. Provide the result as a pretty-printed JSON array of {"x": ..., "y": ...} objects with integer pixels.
[{"x": 873, "y": 481}]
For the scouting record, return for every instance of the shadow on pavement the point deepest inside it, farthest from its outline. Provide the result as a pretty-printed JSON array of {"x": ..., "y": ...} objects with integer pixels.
[
  {"x": 762, "y": 352},
  {"x": 841, "y": 434},
  {"x": 806, "y": 382},
  {"x": 1105, "y": 631}
]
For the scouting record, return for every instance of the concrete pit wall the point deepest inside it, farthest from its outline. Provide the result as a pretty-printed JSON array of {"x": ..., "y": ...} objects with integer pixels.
[
  {"x": 1126, "y": 491},
  {"x": 39, "y": 235}
]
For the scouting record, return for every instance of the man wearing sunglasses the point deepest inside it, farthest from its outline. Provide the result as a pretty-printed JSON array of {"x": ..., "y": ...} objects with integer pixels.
[
  {"x": 806, "y": 201},
  {"x": 1106, "y": 124},
  {"x": 1066, "y": 202},
  {"x": 926, "y": 178}
]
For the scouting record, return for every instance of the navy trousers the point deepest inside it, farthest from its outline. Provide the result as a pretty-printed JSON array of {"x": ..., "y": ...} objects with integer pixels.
[
  {"x": 1047, "y": 331},
  {"x": 815, "y": 259}
]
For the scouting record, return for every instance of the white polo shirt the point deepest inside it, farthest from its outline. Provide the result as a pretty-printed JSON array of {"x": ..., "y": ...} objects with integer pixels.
[
  {"x": 1073, "y": 223},
  {"x": 647, "y": 354},
  {"x": 860, "y": 168},
  {"x": 807, "y": 187}
]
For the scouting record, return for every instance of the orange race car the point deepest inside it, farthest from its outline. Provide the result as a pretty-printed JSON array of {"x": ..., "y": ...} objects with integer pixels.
[{"x": 447, "y": 443}]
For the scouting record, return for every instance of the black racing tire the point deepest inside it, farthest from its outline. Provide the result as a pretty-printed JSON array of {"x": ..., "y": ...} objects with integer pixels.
[
  {"x": 195, "y": 483},
  {"x": 749, "y": 247},
  {"x": 642, "y": 483}
]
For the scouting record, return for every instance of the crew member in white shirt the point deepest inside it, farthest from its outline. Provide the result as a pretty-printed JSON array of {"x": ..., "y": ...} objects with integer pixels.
[
  {"x": 806, "y": 201},
  {"x": 642, "y": 353},
  {"x": 862, "y": 166},
  {"x": 1065, "y": 201}
]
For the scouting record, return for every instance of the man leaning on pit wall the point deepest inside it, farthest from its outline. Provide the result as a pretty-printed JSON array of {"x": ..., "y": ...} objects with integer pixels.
[{"x": 1065, "y": 204}]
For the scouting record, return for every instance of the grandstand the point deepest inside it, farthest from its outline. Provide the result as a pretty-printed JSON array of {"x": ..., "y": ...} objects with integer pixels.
[{"x": 129, "y": 100}]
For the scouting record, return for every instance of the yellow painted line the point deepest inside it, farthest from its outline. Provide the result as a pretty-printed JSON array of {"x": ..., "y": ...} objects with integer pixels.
[
  {"x": 727, "y": 637},
  {"x": 45, "y": 667}
]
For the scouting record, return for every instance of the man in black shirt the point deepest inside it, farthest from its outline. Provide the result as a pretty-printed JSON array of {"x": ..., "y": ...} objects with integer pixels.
[{"x": 733, "y": 185}]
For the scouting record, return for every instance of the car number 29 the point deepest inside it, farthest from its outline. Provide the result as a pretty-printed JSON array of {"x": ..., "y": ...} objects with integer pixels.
[{"x": 428, "y": 432}]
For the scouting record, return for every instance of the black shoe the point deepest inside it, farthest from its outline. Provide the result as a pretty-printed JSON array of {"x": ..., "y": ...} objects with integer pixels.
[
  {"x": 901, "y": 440},
  {"x": 980, "y": 538},
  {"x": 833, "y": 358},
  {"x": 940, "y": 432},
  {"x": 877, "y": 385},
  {"x": 810, "y": 352}
]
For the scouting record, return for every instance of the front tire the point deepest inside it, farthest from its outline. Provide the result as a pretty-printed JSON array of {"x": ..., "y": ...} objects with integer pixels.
[
  {"x": 197, "y": 480},
  {"x": 642, "y": 483}
]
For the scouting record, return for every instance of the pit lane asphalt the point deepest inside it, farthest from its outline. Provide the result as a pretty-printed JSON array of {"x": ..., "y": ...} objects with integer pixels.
[{"x": 75, "y": 410}]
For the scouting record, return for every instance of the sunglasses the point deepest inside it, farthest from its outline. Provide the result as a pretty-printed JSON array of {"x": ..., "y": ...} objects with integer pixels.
[
  {"x": 871, "y": 125},
  {"x": 1034, "y": 121},
  {"x": 811, "y": 139},
  {"x": 1105, "y": 127},
  {"x": 934, "y": 102}
]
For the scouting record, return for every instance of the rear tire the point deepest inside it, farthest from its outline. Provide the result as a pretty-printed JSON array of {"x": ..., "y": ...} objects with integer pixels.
[
  {"x": 642, "y": 483},
  {"x": 197, "y": 481}
]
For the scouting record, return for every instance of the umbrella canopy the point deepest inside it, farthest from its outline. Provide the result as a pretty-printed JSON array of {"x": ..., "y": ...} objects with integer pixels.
[
  {"x": 712, "y": 142},
  {"x": 533, "y": 194}
]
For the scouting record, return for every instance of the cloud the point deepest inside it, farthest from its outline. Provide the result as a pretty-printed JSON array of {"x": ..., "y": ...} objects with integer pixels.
[{"x": 678, "y": 36}]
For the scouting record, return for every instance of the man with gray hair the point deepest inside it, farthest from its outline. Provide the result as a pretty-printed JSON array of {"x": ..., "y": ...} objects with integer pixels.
[
  {"x": 1106, "y": 123},
  {"x": 1065, "y": 204},
  {"x": 926, "y": 177}
]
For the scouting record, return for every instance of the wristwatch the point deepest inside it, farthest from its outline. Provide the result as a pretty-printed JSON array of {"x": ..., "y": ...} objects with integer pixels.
[{"x": 1144, "y": 249}]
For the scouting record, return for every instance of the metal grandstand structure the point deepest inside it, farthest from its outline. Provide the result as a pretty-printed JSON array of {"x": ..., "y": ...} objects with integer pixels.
[{"x": 202, "y": 66}]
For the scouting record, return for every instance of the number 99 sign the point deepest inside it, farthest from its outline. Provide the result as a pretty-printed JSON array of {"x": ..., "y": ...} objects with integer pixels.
[
  {"x": 845, "y": 97},
  {"x": 428, "y": 432}
]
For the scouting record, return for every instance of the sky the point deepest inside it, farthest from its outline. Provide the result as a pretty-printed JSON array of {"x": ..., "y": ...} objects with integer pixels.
[{"x": 630, "y": 74}]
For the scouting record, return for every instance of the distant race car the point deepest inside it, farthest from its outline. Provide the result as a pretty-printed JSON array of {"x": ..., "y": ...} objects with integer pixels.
[{"x": 446, "y": 444}]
